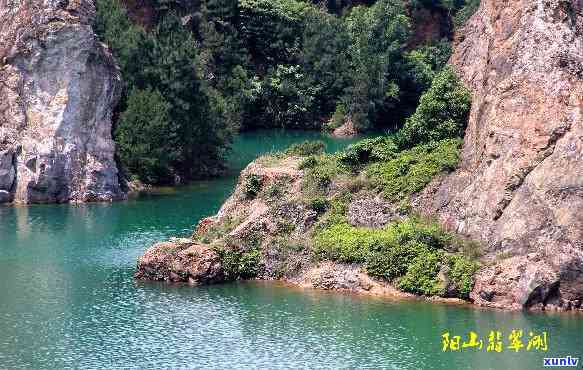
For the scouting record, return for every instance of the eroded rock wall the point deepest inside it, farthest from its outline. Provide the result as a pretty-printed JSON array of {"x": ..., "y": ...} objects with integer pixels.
[
  {"x": 520, "y": 187},
  {"x": 58, "y": 89}
]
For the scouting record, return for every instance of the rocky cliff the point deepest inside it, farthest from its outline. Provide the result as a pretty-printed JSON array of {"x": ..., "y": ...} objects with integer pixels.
[
  {"x": 518, "y": 188},
  {"x": 520, "y": 185},
  {"x": 58, "y": 89}
]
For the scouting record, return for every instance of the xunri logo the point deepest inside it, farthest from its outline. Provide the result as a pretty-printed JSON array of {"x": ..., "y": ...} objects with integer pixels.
[{"x": 561, "y": 361}]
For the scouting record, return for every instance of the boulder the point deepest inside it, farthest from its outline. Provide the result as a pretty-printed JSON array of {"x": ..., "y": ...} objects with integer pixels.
[{"x": 180, "y": 260}]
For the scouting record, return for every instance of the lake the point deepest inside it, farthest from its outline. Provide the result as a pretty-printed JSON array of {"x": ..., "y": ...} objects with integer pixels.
[{"x": 68, "y": 298}]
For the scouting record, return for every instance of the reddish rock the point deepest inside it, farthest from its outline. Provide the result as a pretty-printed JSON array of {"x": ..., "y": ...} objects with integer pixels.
[
  {"x": 180, "y": 260},
  {"x": 520, "y": 185}
]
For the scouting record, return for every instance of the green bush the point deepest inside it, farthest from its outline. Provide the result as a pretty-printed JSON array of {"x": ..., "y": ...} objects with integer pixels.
[
  {"x": 309, "y": 162},
  {"x": 274, "y": 190},
  {"x": 252, "y": 185},
  {"x": 461, "y": 274},
  {"x": 318, "y": 178},
  {"x": 320, "y": 205},
  {"x": 239, "y": 265},
  {"x": 345, "y": 243},
  {"x": 390, "y": 261},
  {"x": 416, "y": 230},
  {"x": 307, "y": 148},
  {"x": 409, "y": 253},
  {"x": 442, "y": 113},
  {"x": 249, "y": 264},
  {"x": 142, "y": 137},
  {"x": 422, "y": 274},
  {"x": 365, "y": 151},
  {"x": 413, "y": 169}
]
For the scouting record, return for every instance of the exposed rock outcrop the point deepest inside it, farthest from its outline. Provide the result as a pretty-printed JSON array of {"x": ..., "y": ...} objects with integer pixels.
[
  {"x": 520, "y": 186},
  {"x": 181, "y": 260},
  {"x": 261, "y": 220},
  {"x": 58, "y": 89}
]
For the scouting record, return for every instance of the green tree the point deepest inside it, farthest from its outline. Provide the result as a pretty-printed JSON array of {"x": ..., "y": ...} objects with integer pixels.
[
  {"x": 378, "y": 37},
  {"x": 442, "y": 112},
  {"x": 196, "y": 109},
  {"x": 325, "y": 59},
  {"x": 124, "y": 38},
  {"x": 144, "y": 137}
]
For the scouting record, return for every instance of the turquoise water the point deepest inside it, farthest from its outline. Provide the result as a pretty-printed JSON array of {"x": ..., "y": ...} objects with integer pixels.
[{"x": 68, "y": 299}]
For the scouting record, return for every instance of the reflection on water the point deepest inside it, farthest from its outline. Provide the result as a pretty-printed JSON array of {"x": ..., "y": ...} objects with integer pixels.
[{"x": 68, "y": 299}]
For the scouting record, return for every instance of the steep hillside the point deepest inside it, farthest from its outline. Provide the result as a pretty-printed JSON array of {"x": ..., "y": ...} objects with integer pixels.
[{"x": 520, "y": 185}]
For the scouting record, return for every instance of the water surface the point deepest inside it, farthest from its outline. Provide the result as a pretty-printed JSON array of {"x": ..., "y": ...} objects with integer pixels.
[{"x": 68, "y": 299}]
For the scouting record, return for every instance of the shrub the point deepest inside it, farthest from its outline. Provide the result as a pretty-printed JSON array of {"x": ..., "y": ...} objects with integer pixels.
[
  {"x": 249, "y": 264},
  {"x": 442, "y": 112},
  {"x": 252, "y": 185},
  {"x": 421, "y": 277},
  {"x": 320, "y": 205},
  {"x": 409, "y": 252},
  {"x": 469, "y": 8},
  {"x": 415, "y": 230},
  {"x": 392, "y": 260},
  {"x": 413, "y": 169},
  {"x": 142, "y": 137},
  {"x": 408, "y": 239},
  {"x": 369, "y": 150},
  {"x": 345, "y": 243},
  {"x": 239, "y": 265},
  {"x": 318, "y": 178},
  {"x": 274, "y": 190},
  {"x": 461, "y": 274},
  {"x": 307, "y": 148},
  {"x": 309, "y": 162}
]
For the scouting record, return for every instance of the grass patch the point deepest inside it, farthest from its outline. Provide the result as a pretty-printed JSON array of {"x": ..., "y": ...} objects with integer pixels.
[
  {"x": 410, "y": 253},
  {"x": 411, "y": 170},
  {"x": 218, "y": 230}
]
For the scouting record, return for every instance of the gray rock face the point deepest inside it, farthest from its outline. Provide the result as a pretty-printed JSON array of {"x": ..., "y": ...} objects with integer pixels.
[
  {"x": 370, "y": 210},
  {"x": 520, "y": 186},
  {"x": 58, "y": 89}
]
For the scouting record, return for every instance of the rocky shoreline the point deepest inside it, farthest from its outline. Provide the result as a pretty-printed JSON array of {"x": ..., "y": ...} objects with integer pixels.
[{"x": 202, "y": 259}]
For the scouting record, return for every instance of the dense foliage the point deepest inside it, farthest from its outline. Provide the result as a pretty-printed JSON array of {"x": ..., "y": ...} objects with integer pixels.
[
  {"x": 409, "y": 253},
  {"x": 415, "y": 254},
  {"x": 224, "y": 65},
  {"x": 189, "y": 129}
]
